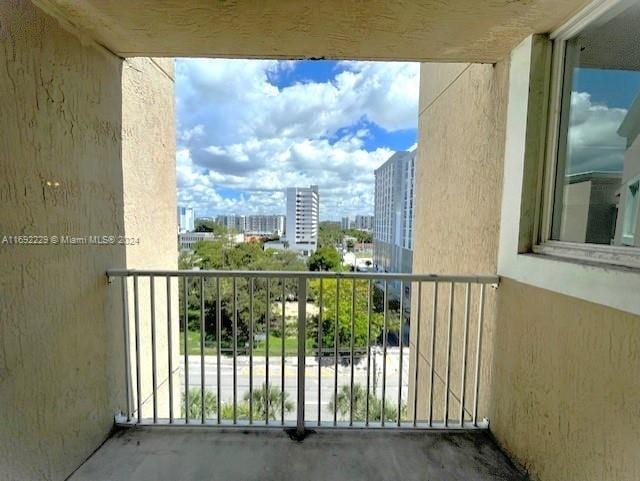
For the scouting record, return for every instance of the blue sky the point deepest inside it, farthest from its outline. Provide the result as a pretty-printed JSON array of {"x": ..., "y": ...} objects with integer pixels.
[
  {"x": 247, "y": 129},
  {"x": 600, "y": 100}
]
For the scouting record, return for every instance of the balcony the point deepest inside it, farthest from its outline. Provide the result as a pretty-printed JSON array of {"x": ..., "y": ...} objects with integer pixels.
[{"x": 282, "y": 371}]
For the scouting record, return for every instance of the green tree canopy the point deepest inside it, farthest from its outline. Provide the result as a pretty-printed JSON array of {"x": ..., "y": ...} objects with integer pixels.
[{"x": 325, "y": 259}]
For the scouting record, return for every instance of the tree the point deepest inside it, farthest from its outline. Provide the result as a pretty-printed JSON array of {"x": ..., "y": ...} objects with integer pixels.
[
  {"x": 272, "y": 397},
  {"x": 325, "y": 259},
  {"x": 360, "y": 405},
  {"x": 360, "y": 315},
  {"x": 195, "y": 404},
  {"x": 250, "y": 256},
  {"x": 210, "y": 226},
  {"x": 360, "y": 235},
  {"x": 329, "y": 234}
]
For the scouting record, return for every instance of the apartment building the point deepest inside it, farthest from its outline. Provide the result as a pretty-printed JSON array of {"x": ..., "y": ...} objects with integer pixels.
[
  {"x": 394, "y": 213},
  {"x": 233, "y": 222},
  {"x": 265, "y": 224},
  {"x": 186, "y": 219},
  {"x": 345, "y": 223},
  {"x": 363, "y": 222},
  {"x": 303, "y": 215}
]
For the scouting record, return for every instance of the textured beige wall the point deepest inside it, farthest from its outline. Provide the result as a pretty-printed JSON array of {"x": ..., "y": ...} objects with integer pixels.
[
  {"x": 74, "y": 162},
  {"x": 149, "y": 175},
  {"x": 566, "y": 392},
  {"x": 422, "y": 30},
  {"x": 458, "y": 189},
  {"x": 60, "y": 332},
  {"x": 561, "y": 375}
]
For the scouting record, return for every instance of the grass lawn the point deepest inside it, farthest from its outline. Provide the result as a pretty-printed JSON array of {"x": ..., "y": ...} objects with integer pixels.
[{"x": 259, "y": 348}]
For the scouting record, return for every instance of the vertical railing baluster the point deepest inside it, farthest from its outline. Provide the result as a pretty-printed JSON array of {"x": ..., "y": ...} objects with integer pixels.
[
  {"x": 384, "y": 353},
  {"x": 400, "y": 338},
  {"x": 284, "y": 337},
  {"x": 320, "y": 354},
  {"x": 202, "y": 336},
  {"x": 136, "y": 318},
  {"x": 127, "y": 347},
  {"x": 447, "y": 375},
  {"x": 186, "y": 349},
  {"x": 268, "y": 335},
  {"x": 154, "y": 378},
  {"x": 169, "y": 348},
  {"x": 335, "y": 355},
  {"x": 218, "y": 349},
  {"x": 463, "y": 374},
  {"x": 302, "y": 344},
  {"x": 476, "y": 388},
  {"x": 369, "y": 310},
  {"x": 235, "y": 350},
  {"x": 352, "y": 342},
  {"x": 432, "y": 353},
  {"x": 417, "y": 359},
  {"x": 251, "y": 321}
]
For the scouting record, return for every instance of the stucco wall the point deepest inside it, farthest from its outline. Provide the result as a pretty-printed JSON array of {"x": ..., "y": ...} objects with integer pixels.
[
  {"x": 75, "y": 162},
  {"x": 566, "y": 392},
  {"x": 561, "y": 375},
  {"x": 149, "y": 176},
  {"x": 60, "y": 173},
  {"x": 458, "y": 179}
]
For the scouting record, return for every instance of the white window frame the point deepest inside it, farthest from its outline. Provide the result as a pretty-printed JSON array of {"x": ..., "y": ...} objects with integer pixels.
[
  {"x": 635, "y": 212},
  {"x": 599, "y": 253},
  {"x": 607, "y": 275}
]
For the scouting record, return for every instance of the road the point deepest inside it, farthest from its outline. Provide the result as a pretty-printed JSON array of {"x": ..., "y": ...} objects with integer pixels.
[{"x": 327, "y": 373}]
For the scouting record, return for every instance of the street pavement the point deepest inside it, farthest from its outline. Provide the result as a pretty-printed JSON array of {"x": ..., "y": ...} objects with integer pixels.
[{"x": 312, "y": 380}]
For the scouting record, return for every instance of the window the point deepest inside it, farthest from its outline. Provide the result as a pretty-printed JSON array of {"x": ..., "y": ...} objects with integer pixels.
[
  {"x": 631, "y": 200},
  {"x": 592, "y": 203}
]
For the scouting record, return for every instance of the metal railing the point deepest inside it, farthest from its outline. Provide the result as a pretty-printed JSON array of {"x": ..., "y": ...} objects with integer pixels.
[{"x": 340, "y": 322}]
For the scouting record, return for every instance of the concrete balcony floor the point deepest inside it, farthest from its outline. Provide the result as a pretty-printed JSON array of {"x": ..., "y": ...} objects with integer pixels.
[{"x": 208, "y": 454}]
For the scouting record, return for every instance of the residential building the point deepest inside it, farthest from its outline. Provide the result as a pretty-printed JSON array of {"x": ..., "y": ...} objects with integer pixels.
[
  {"x": 363, "y": 222},
  {"x": 187, "y": 240},
  {"x": 551, "y": 360},
  {"x": 233, "y": 222},
  {"x": 627, "y": 228},
  {"x": 345, "y": 223},
  {"x": 394, "y": 213},
  {"x": 265, "y": 224},
  {"x": 303, "y": 211},
  {"x": 186, "y": 219}
]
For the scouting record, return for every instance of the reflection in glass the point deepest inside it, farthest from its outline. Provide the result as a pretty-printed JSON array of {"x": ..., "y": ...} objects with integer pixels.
[{"x": 599, "y": 147}]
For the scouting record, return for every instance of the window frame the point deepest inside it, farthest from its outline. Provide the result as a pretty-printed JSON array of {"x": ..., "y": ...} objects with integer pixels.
[{"x": 624, "y": 256}]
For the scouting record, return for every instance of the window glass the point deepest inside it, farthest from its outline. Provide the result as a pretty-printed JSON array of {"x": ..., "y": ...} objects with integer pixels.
[{"x": 598, "y": 156}]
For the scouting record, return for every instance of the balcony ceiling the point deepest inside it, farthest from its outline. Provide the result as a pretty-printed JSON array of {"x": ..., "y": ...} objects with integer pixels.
[{"x": 427, "y": 30}]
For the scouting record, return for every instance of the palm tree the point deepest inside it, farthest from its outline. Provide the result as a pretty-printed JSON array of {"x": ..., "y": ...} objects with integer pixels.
[
  {"x": 360, "y": 405},
  {"x": 195, "y": 404},
  {"x": 272, "y": 397}
]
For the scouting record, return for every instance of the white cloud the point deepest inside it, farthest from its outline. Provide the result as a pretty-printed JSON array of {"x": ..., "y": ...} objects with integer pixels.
[
  {"x": 593, "y": 140},
  {"x": 238, "y": 130}
]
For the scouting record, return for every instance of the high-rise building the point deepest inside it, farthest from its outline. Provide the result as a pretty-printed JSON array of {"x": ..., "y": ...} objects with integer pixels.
[
  {"x": 303, "y": 208},
  {"x": 235, "y": 222},
  {"x": 186, "y": 219},
  {"x": 265, "y": 224},
  {"x": 345, "y": 223},
  {"x": 394, "y": 213},
  {"x": 363, "y": 222}
]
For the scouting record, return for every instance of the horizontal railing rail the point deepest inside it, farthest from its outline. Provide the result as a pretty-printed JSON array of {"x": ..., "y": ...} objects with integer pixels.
[{"x": 340, "y": 342}]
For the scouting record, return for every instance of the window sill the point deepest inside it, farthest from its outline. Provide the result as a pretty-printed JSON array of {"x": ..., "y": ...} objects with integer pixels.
[
  {"x": 610, "y": 285},
  {"x": 622, "y": 257}
]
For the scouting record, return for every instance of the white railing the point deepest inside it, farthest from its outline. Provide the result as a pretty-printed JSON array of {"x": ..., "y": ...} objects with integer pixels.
[{"x": 231, "y": 321}]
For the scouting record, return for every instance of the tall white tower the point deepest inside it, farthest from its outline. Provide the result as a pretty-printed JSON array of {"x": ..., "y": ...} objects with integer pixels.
[{"x": 303, "y": 207}]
